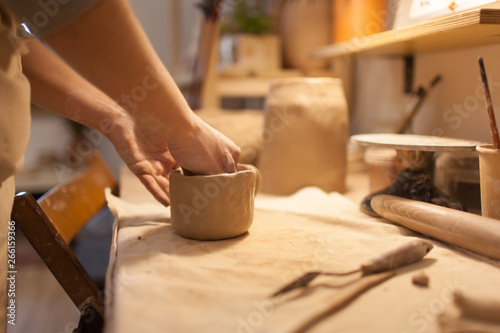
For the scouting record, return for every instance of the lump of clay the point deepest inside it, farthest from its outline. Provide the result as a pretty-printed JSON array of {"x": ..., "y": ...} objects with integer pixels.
[{"x": 421, "y": 279}]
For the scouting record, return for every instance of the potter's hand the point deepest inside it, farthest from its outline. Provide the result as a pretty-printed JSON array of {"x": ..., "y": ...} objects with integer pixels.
[
  {"x": 203, "y": 150},
  {"x": 146, "y": 155}
]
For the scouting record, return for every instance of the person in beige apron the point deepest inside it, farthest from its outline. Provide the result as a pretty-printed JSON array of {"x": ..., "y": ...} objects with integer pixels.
[
  {"x": 119, "y": 88},
  {"x": 14, "y": 135}
]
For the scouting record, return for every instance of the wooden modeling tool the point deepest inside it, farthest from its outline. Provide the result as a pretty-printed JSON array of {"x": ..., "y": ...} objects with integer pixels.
[
  {"x": 489, "y": 105},
  {"x": 474, "y": 307},
  {"x": 344, "y": 296},
  {"x": 403, "y": 255}
]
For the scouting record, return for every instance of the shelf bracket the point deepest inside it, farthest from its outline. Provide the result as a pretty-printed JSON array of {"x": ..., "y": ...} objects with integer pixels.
[{"x": 409, "y": 71}]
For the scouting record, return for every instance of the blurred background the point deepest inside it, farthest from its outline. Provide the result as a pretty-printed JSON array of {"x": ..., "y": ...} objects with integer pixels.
[{"x": 377, "y": 88}]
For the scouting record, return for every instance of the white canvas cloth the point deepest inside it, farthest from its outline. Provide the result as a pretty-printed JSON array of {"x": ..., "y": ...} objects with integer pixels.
[{"x": 161, "y": 282}]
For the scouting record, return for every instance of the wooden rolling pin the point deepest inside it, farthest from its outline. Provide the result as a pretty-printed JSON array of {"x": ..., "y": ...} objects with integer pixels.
[{"x": 472, "y": 232}]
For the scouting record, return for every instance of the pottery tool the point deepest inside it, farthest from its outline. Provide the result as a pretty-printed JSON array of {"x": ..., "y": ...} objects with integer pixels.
[
  {"x": 478, "y": 308},
  {"x": 403, "y": 255},
  {"x": 344, "y": 296},
  {"x": 472, "y": 232},
  {"x": 414, "y": 105},
  {"x": 489, "y": 105}
]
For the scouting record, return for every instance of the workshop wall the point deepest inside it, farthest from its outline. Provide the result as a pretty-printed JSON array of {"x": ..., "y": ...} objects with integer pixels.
[{"x": 454, "y": 108}]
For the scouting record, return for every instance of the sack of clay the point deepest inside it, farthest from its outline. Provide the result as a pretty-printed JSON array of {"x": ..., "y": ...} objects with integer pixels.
[{"x": 305, "y": 136}]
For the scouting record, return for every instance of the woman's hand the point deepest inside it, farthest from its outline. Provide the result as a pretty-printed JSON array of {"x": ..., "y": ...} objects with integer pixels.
[
  {"x": 199, "y": 149},
  {"x": 146, "y": 155},
  {"x": 202, "y": 150}
]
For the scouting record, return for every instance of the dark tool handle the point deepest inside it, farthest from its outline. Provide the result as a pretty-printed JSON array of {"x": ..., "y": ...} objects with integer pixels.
[
  {"x": 401, "y": 256},
  {"x": 415, "y": 104},
  {"x": 404, "y": 255},
  {"x": 297, "y": 283}
]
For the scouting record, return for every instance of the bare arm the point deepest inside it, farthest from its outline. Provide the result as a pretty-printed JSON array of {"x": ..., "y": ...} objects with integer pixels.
[
  {"x": 57, "y": 87},
  {"x": 108, "y": 46}
]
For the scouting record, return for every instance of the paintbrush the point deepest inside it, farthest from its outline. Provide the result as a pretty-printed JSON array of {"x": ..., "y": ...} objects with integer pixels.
[{"x": 489, "y": 105}]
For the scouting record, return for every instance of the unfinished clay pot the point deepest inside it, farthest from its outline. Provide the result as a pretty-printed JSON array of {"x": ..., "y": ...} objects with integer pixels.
[
  {"x": 213, "y": 207},
  {"x": 305, "y": 136}
]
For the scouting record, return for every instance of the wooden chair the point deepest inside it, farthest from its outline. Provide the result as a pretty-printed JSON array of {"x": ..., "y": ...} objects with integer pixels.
[{"x": 51, "y": 222}]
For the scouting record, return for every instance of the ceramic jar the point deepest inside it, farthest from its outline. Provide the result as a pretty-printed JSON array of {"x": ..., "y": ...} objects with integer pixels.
[
  {"x": 382, "y": 167},
  {"x": 489, "y": 174},
  {"x": 457, "y": 174},
  {"x": 305, "y": 136},
  {"x": 305, "y": 27}
]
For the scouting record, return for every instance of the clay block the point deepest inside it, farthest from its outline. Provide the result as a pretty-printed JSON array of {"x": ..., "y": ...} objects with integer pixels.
[{"x": 305, "y": 136}]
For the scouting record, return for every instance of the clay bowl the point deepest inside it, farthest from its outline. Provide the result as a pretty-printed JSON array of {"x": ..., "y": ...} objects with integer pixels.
[{"x": 213, "y": 207}]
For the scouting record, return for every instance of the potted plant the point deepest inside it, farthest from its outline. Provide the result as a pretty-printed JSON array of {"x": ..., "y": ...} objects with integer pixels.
[{"x": 247, "y": 44}]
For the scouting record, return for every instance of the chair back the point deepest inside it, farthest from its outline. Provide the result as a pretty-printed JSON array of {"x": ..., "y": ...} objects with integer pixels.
[
  {"x": 51, "y": 223},
  {"x": 71, "y": 205}
]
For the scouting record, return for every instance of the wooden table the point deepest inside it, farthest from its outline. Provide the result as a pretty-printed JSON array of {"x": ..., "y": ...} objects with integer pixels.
[{"x": 160, "y": 282}]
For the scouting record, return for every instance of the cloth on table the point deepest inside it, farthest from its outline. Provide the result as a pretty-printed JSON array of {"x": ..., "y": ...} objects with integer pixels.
[{"x": 161, "y": 282}]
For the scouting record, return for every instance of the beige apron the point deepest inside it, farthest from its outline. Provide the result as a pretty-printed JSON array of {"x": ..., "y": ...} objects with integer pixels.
[{"x": 14, "y": 135}]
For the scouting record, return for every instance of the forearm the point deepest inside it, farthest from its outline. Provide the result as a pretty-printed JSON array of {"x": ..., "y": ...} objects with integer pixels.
[
  {"x": 57, "y": 87},
  {"x": 109, "y": 48}
]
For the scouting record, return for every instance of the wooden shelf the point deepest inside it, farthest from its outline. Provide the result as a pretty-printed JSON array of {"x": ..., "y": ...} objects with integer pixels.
[
  {"x": 470, "y": 28},
  {"x": 258, "y": 85}
]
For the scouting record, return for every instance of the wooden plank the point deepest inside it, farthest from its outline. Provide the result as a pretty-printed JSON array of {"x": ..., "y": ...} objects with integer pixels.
[
  {"x": 244, "y": 87},
  {"x": 414, "y": 142},
  {"x": 56, "y": 253},
  {"x": 470, "y": 28},
  {"x": 233, "y": 84},
  {"x": 72, "y": 204}
]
